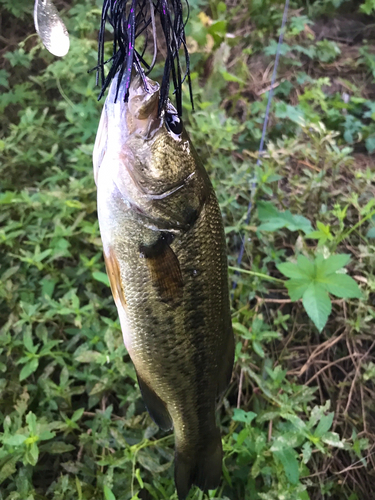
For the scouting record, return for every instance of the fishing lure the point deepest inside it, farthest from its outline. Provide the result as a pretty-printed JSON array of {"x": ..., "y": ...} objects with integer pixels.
[
  {"x": 51, "y": 28},
  {"x": 132, "y": 18}
]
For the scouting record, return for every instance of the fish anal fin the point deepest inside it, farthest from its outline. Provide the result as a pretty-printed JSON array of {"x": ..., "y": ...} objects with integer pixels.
[
  {"x": 114, "y": 275},
  {"x": 164, "y": 269},
  {"x": 155, "y": 406}
]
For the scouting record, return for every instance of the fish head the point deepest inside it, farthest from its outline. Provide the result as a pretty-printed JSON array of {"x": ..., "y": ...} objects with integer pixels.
[
  {"x": 158, "y": 171},
  {"x": 122, "y": 119},
  {"x": 163, "y": 163}
]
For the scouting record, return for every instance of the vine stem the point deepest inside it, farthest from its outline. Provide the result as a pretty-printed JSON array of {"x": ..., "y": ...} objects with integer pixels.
[
  {"x": 359, "y": 223},
  {"x": 254, "y": 273}
]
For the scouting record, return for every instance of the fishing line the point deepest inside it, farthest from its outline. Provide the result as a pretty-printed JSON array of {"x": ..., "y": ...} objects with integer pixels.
[{"x": 264, "y": 130}]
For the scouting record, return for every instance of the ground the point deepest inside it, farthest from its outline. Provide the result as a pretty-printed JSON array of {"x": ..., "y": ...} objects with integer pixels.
[{"x": 298, "y": 417}]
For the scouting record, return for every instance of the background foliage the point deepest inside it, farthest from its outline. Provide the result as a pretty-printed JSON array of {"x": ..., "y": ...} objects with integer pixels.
[{"x": 299, "y": 415}]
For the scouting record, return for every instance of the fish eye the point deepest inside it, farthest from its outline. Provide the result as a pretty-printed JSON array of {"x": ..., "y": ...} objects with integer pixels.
[{"x": 173, "y": 123}]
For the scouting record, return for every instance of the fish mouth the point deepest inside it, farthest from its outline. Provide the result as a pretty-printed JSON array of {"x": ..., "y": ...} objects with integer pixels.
[{"x": 143, "y": 98}]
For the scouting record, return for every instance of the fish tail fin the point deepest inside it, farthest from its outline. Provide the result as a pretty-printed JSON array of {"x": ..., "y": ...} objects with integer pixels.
[{"x": 201, "y": 467}]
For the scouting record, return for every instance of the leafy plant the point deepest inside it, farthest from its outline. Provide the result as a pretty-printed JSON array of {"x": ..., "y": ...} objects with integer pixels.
[
  {"x": 313, "y": 281},
  {"x": 272, "y": 219}
]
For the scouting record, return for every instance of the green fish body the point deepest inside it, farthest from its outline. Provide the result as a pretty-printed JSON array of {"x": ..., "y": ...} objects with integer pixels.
[{"x": 165, "y": 254}]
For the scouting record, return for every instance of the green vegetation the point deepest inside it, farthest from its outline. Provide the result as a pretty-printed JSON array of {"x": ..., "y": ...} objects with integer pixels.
[{"x": 298, "y": 417}]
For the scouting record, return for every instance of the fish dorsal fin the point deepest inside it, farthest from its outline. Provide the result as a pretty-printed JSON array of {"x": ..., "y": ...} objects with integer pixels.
[
  {"x": 113, "y": 271},
  {"x": 155, "y": 406},
  {"x": 164, "y": 269}
]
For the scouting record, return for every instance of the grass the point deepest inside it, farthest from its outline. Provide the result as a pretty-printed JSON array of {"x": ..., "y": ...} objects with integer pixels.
[{"x": 298, "y": 417}]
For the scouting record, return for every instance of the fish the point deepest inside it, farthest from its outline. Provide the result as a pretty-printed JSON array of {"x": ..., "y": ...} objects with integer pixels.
[{"x": 165, "y": 255}]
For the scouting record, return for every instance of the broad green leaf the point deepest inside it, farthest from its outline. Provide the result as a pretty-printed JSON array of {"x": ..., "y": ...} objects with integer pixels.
[
  {"x": 45, "y": 435},
  {"x": 39, "y": 257},
  {"x": 296, "y": 288},
  {"x": 9, "y": 272},
  {"x": 333, "y": 264},
  {"x": 32, "y": 454},
  {"x": 371, "y": 233},
  {"x": 102, "y": 277},
  {"x": 292, "y": 113},
  {"x": 317, "y": 413},
  {"x": 266, "y": 210},
  {"x": 29, "y": 368},
  {"x": 258, "y": 349},
  {"x": 291, "y": 270},
  {"x": 296, "y": 421},
  {"x": 243, "y": 416},
  {"x": 242, "y": 330},
  {"x": 307, "y": 266},
  {"x": 77, "y": 414},
  {"x": 9, "y": 467},
  {"x": 15, "y": 440},
  {"x": 272, "y": 225},
  {"x": 48, "y": 286},
  {"x": 229, "y": 77},
  {"x": 324, "y": 425},
  {"x": 31, "y": 422},
  {"x": 287, "y": 457},
  {"x": 88, "y": 357},
  {"x": 317, "y": 304},
  {"x": 56, "y": 447},
  {"x": 79, "y": 488},
  {"x": 267, "y": 416},
  {"x": 99, "y": 387},
  {"x": 273, "y": 219},
  {"x": 322, "y": 234},
  {"x": 333, "y": 439},
  {"x": 242, "y": 436},
  {"x": 4, "y": 75},
  {"x": 296, "y": 222},
  {"x": 370, "y": 141},
  {"x": 28, "y": 340},
  {"x": 108, "y": 494},
  {"x": 342, "y": 286},
  {"x": 306, "y": 452},
  {"x": 314, "y": 235}
]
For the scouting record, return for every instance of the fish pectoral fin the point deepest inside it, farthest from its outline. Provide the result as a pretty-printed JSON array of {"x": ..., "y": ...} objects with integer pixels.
[
  {"x": 155, "y": 406},
  {"x": 113, "y": 270},
  {"x": 164, "y": 269}
]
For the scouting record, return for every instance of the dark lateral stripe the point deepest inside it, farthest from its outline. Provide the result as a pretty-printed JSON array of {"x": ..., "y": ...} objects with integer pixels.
[{"x": 164, "y": 269}]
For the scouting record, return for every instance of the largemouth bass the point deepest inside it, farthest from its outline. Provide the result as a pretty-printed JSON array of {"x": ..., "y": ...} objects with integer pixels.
[{"x": 165, "y": 255}]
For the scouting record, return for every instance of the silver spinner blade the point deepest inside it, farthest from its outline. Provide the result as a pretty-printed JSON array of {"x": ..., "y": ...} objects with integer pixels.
[{"x": 51, "y": 28}]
